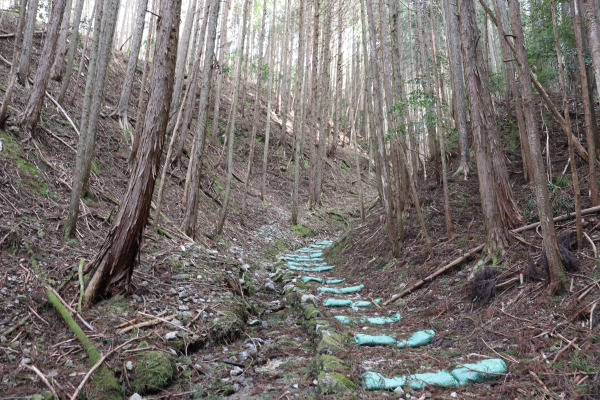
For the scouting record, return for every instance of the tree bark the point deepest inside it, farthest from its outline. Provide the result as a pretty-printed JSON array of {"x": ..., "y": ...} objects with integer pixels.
[
  {"x": 58, "y": 69},
  {"x": 572, "y": 161},
  {"x": 92, "y": 106},
  {"x": 13, "y": 68},
  {"x": 136, "y": 44},
  {"x": 298, "y": 94},
  {"x": 590, "y": 124},
  {"x": 499, "y": 209},
  {"x": 66, "y": 78},
  {"x": 261, "y": 40},
  {"x": 263, "y": 188},
  {"x": 380, "y": 117},
  {"x": 314, "y": 106},
  {"x": 231, "y": 139},
  {"x": 557, "y": 275},
  {"x": 191, "y": 206},
  {"x": 116, "y": 258},
  {"x": 31, "y": 115},
  {"x": 25, "y": 57},
  {"x": 221, "y": 65},
  {"x": 459, "y": 104}
]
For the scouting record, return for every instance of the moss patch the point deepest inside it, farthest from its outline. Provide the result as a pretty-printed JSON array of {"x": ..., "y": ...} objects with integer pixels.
[
  {"x": 334, "y": 382},
  {"x": 154, "y": 371},
  {"x": 303, "y": 231}
]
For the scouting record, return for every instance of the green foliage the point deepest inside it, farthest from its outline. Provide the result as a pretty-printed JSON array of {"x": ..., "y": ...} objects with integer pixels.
[
  {"x": 154, "y": 371},
  {"x": 582, "y": 362},
  {"x": 303, "y": 231}
]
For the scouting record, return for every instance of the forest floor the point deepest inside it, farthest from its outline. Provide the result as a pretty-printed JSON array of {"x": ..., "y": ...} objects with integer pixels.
[{"x": 220, "y": 311}]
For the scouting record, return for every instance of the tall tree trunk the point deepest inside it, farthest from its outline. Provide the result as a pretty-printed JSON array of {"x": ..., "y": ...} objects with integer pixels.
[
  {"x": 298, "y": 94},
  {"x": 324, "y": 104},
  {"x": 338, "y": 86},
  {"x": 58, "y": 69},
  {"x": 136, "y": 44},
  {"x": 193, "y": 178},
  {"x": 499, "y": 209},
  {"x": 66, "y": 78},
  {"x": 25, "y": 57},
  {"x": 285, "y": 82},
  {"x": 13, "y": 68},
  {"x": 231, "y": 139},
  {"x": 459, "y": 105},
  {"x": 572, "y": 161},
  {"x": 314, "y": 105},
  {"x": 590, "y": 124},
  {"x": 257, "y": 107},
  {"x": 380, "y": 117},
  {"x": 142, "y": 104},
  {"x": 31, "y": 115},
  {"x": 502, "y": 19},
  {"x": 263, "y": 187},
  {"x": 116, "y": 258},
  {"x": 439, "y": 124},
  {"x": 182, "y": 52},
  {"x": 557, "y": 275},
  {"x": 91, "y": 110},
  {"x": 593, "y": 20},
  {"x": 222, "y": 51}
]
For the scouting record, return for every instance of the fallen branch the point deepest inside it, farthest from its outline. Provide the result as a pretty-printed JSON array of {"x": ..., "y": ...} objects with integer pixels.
[
  {"x": 43, "y": 378},
  {"x": 146, "y": 324},
  {"x": 11, "y": 35},
  {"x": 15, "y": 327},
  {"x": 477, "y": 249}
]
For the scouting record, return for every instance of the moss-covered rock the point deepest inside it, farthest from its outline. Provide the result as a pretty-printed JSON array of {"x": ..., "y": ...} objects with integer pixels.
[
  {"x": 311, "y": 312},
  {"x": 334, "y": 382},
  {"x": 154, "y": 371},
  {"x": 230, "y": 324},
  {"x": 327, "y": 363},
  {"x": 331, "y": 343},
  {"x": 303, "y": 231}
]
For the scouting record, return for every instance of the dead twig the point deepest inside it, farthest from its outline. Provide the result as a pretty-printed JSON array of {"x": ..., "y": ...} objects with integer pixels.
[{"x": 43, "y": 378}]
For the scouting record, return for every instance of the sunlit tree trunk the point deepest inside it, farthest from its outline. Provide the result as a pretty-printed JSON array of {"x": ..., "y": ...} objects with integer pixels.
[
  {"x": 285, "y": 76},
  {"x": 114, "y": 262},
  {"x": 219, "y": 78},
  {"x": 314, "y": 105}
]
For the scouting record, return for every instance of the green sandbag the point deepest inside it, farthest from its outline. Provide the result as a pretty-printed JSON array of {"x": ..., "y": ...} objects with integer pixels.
[
  {"x": 476, "y": 373},
  {"x": 371, "y": 340},
  {"x": 326, "y": 243},
  {"x": 373, "y": 320},
  {"x": 307, "y": 265},
  {"x": 348, "y": 303},
  {"x": 441, "y": 378},
  {"x": 316, "y": 269},
  {"x": 374, "y": 381},
  {"x": 350, "y": 289},
  {"x": 307, "y": 279},
  {"x": 417, "y": 339}
]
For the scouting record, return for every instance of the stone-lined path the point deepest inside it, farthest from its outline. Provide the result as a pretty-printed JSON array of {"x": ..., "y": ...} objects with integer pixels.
[{"x": 348, "y": 327}]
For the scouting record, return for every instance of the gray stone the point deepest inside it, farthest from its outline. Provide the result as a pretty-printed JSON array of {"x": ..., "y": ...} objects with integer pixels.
[
  {"x": 171, "y": 335},
  {"x": 237, "y": 371},
  {"x": 52, "y": 374},
  {"x": 243, "y": 356},
  {"x": 270, "y": 287},
  {"x": 180, "y": 277},
  {"x": 183, "y": 308},
  {"x": 136, "y": 396},
  {"x": 25, "y": 361},
  {"x": 129, "y": 365}
]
